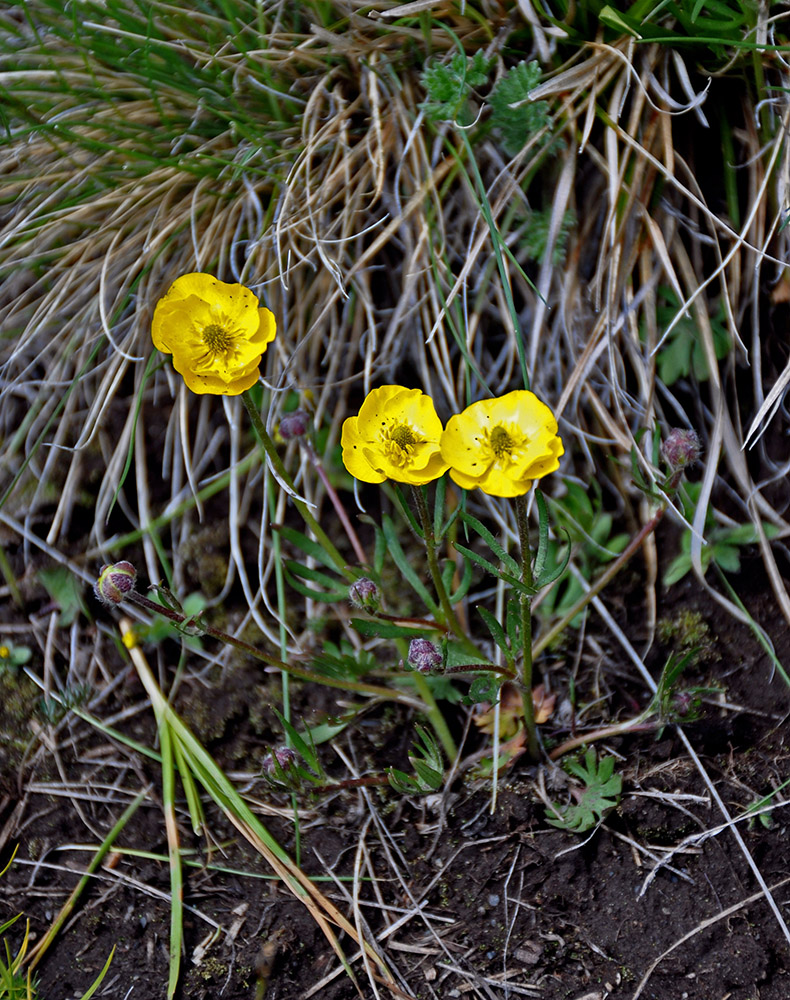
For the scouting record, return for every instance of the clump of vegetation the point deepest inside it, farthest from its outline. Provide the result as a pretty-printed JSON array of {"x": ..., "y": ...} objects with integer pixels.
[{"x": 307, "y": 306}]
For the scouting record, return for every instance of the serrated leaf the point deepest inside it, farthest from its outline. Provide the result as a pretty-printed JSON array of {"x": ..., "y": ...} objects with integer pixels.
[
  {"x": 518, "y": 124},
  {"x": 601, "y": 794},
  {"x": 448, "y": 86}
]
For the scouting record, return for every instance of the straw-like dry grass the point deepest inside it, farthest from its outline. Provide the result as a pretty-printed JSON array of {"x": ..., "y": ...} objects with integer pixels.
[{"x": 284, "y": 146}]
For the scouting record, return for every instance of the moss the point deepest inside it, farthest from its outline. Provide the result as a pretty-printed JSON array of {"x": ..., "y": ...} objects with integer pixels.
[
  {"x": 18, "y": 700},
  {"x": 686, "y": 631}
]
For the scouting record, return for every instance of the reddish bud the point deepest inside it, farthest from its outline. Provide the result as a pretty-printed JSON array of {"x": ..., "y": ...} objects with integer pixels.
[
  {"x": 425, "y": 656},
  {"x": 364, "y": 594},
  {"x": 285, "y": 757},
  {"x": 115, "y": 582},
  {"x": 294, "y": 425},
  {"x": 681, "y": 448}
]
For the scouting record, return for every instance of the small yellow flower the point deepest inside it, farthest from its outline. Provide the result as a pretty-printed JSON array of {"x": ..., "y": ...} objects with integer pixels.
[
  {"x": 216, "y": 333},
  {"x": 5, "y": 653},
  {"x": 395, "y": 435},
  {"x": 502, "y": 445}
]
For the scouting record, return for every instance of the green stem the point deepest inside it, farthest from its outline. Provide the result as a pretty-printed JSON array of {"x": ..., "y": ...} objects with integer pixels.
[
  {"x": 273, "y": 456},
  {"x": 435, "y": 716},
  {"x": 526, "y": 629},
  {"x": 450, "y": 618}
]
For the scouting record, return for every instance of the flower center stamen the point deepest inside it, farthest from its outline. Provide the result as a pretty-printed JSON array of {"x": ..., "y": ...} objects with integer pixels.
[
  {"x": 402, "y": 435},
  {"x": 398, "y": 443},
  {"x": 501, "y": 442},
  {"x": 216, "y": 338}
]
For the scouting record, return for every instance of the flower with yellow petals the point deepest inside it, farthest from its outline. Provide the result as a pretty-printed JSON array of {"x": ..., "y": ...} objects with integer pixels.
[
  {"x": 216, "y": 333},
  {"x": 395, "y": 435},
  {"x": 502, "y": 445}
]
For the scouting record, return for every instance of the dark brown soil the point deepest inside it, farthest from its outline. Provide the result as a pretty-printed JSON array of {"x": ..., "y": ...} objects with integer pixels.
[{"x": 466, "y": 902}]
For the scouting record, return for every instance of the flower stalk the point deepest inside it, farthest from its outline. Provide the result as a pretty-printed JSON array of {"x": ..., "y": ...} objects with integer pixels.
[
  {"x": 273, "y": 456},
  {"x": 450, "y": 617},
  {"x": 525, "y": 602},
  {"x": 181, "y": 620}
]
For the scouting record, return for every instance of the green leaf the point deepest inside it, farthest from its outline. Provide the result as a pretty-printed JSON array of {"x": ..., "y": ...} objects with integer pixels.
[
  {"x": 497, "y": 632},
  {"x": 336, "y": 589},
  {"x": 449, "y": 85},
  {"x": 65, "y": 590},
  {"x": 601, "y": 794},
  {"x": 304, "y": 746},
  {"x": 403, "y": 564},
  {"x": 677, "y": 569},
  {"x": 387, "y": 630},
  {"x": 408, "y": 513},
  {"x": 463, "y": 586},
  {"x": 614, "y": 19},
  {"x": 492, "y": 542},
  {"x": 311, "y": 548},
  {"x": 489, "y": 567},
  {"x": 543, "y": 534},
  {"x": 726, "y": 557},
  {"x": 518, "y": 124},
  {"x": 484, "y": 688}
]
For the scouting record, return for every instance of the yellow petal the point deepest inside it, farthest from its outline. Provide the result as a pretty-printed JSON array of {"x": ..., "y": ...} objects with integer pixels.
[
  {"x": 380, "y": 407},
  {"x": 353, "y": 445},
  {"x": 461, "y": 444},
  {"x": 497, "y": 483},
  {"x": 211, "y": 384},
  {"x": 464, "y": 481},
  {"x": 267, "y": 330}
]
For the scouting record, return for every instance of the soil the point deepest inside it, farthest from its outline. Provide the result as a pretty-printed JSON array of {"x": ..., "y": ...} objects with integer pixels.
[{"x": 659, "y": 901}]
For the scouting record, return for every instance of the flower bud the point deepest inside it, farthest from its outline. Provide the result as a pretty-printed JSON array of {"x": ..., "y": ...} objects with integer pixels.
[
  {"x": 425, "y": 656},
  {"x": 284, "y": 756},
  {"x": 115, "y": 582},
  {"x": 683, "y": 703},
  {"x": 364, "y": 594},
  {"x": 681, "y": 448},
  {"x": 294, "y": 425}
]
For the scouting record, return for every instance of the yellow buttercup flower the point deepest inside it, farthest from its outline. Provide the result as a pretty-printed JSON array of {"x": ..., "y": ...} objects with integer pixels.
[
  {"x": 395, "y": 435},
  {"x": 216, "y": 333},
  {"x": 502, "y": 445}
]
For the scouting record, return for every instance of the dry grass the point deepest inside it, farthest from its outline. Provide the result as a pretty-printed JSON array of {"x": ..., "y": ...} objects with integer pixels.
[{"x": 295, "y": 158}]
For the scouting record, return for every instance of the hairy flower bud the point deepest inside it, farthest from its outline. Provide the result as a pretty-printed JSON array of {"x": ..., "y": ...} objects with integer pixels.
[
  {"x": 294, "y": 425},
  {"x": 284, "y": 756},
  {"x": 681, "y": 448},
  {"x": 115, "y": 582},
  {"x": 364, "y": 594},
  {"x": 425, "y": 656}
]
